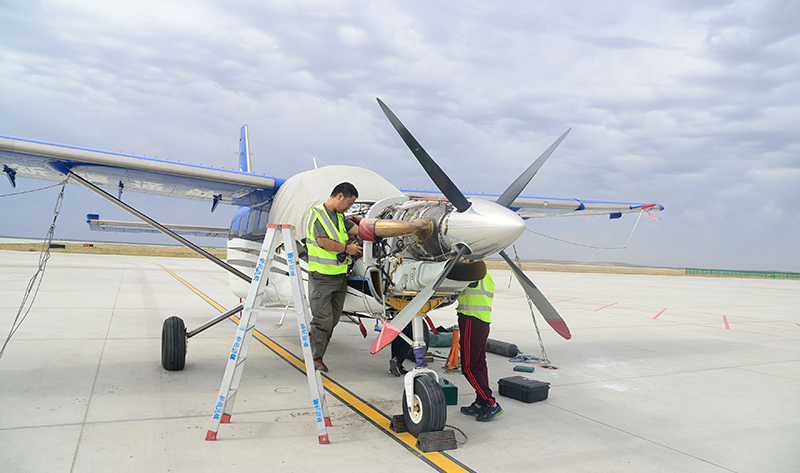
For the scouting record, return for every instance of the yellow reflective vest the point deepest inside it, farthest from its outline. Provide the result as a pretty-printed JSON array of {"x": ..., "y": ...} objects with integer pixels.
[
  {"x": 477, "y": 301},
  {"x": 319, "y": 259}
]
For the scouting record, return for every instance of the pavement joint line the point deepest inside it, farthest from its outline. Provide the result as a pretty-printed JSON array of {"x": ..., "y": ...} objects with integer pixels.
[
  {"x": 760, "y": 333},
  {"x": 437, "y": 460},
  {"x": 676, "y": 373},
  {"x": 641, "y": 437},
  {"x": 97, "y": 372}
]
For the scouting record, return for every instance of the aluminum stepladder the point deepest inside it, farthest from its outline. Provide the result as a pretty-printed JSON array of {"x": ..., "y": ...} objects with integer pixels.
[{"x": 244, "y": 334}]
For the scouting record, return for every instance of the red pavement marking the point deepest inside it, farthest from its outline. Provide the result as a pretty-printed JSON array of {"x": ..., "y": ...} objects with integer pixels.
[
  {"x": 657, "y": 315},
  {"x": 572, "y": 299},
  {"x": 759, "y": 333},
  {"x": 725, "y": 319},
  {"x": 797, "y": 324},
  {"x": 609, "y": 305}
]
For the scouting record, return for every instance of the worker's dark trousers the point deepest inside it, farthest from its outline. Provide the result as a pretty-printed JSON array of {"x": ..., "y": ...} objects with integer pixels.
[
  {"x": 400, "y": 347},
  {"x": 326, "y": 298},
  {"x": 473, "y": 335}
]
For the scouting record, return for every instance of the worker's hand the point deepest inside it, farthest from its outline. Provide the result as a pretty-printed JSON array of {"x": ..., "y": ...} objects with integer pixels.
[{"x": 354, "y": 249}]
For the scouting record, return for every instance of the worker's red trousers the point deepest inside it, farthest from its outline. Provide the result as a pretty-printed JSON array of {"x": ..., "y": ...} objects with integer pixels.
[{"x": 473, "y": 335}]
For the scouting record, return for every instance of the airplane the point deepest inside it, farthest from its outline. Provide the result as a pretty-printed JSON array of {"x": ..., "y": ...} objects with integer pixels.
[{"x": 420, "y": 248}]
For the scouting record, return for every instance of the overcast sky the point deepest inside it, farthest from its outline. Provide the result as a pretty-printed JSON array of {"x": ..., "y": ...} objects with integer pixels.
[{"x": 690, "y": 104}]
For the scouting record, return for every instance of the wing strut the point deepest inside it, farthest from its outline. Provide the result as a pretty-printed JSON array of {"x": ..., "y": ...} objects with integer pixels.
[{"x": 157, "y": 226}]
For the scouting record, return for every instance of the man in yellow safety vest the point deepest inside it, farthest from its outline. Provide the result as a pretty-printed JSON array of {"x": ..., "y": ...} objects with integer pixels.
[
  {"x": 327, "y": 237},
  {"x": 474, "y": 317}
]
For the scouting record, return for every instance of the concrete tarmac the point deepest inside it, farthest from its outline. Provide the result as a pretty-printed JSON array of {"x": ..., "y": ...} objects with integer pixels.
[{"x": 662, "y": 374}]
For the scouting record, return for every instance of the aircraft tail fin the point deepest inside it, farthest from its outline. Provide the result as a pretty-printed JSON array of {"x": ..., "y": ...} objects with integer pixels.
[{"x": 244, "y": 150}]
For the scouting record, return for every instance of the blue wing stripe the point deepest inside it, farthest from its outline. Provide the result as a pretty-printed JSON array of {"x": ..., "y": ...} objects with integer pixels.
[
  {"x": 49, "y": 161},
  {"x": 539, "y": 207}
]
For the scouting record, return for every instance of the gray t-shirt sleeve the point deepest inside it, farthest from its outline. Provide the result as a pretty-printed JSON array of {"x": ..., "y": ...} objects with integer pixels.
[{"x": 319, "y": 230}]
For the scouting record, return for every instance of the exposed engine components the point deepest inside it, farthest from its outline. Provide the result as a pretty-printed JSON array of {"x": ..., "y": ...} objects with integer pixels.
[{"x": 372, "y": 228}]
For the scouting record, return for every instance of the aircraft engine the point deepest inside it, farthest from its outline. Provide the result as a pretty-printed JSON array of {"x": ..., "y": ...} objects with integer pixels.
[
  {"x": 432, "y": 230},
  {"x": 409, "y": 240}
]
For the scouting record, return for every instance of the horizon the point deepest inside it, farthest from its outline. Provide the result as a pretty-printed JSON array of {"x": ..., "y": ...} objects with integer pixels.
[{"x": 689, "y": 105}]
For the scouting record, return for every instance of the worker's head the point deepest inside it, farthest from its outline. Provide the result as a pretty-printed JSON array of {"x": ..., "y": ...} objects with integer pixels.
[{"x": 342, "y": 197}]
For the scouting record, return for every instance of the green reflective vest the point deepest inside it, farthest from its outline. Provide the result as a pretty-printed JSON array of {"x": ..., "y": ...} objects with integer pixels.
[
  {"x": 477, "y": 301},
  {"x": 319, "y": 259}
]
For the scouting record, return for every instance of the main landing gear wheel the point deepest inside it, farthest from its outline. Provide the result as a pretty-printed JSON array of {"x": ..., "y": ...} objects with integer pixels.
[
  {"x": 430, "y": 408},
  {"x": 173, "y": 344}
]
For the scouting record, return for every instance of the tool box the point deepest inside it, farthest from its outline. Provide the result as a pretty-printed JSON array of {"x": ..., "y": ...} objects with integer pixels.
[
  {"x": 450, "y": 392},
  {"x": 523, "y": 389}
]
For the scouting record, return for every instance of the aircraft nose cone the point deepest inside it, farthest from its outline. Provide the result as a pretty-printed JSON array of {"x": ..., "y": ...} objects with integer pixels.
[{"x": 486, "y": 228}]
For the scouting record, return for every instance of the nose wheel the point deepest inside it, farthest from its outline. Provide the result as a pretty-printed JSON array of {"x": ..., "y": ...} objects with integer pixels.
[{"x": 429, "y": 409}]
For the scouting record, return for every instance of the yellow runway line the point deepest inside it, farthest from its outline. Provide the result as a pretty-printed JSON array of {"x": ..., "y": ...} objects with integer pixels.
[{"x": 439, "y": 461}]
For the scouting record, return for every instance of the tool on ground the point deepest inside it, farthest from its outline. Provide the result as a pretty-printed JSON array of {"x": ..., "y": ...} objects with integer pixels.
[{"x": 452, "y": 358}]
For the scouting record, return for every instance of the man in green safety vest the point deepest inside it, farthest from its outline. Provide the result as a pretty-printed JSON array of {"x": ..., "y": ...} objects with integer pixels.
[
  {"x": 327, "y": 236},
  {"x": 474, "y": 317}
]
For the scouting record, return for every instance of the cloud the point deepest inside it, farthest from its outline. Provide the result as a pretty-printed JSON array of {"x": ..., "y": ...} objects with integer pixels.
[{"x": 689, "y": 104}]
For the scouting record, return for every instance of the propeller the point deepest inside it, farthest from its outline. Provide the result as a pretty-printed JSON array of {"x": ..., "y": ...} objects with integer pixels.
[
  {"x": 457, "y": 198},
  {"x": 545, "y": 307},
  {"x": 448, "y": 188},
  {"x": 516, "y": 187},
  {"x": 391, "y": 330},
  {"x": 547, "y": 310}
]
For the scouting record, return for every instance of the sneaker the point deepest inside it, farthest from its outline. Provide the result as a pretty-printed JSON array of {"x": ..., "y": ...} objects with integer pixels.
[
  {"x": 319, "y": 365},
  {"x": 489, "y": 412},
  {"x": 471, "y": 410},
  {"x": 396, "y": 367}
]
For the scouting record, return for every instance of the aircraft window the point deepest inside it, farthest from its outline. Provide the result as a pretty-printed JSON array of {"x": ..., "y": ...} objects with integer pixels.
[
  {"x": 233, "y": 227},
  {"x": 242, "y": 225},
  {"x": 262, "y": 222},
  {"x": 254, "y": 217}
]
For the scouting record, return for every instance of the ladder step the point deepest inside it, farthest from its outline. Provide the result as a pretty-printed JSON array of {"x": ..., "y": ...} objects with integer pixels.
[
  {"x": 251, "y": 307},
  {"x": 277, "y": 309}
]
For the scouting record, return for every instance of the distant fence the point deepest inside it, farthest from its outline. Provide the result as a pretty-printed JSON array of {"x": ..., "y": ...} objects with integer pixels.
[{"x": 741, "y": 274}]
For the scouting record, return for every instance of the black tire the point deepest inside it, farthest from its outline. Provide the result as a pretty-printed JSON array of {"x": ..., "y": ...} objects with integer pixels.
[
  {"x": 430, "y": 407},
  {"x": 173, "y": 344}
]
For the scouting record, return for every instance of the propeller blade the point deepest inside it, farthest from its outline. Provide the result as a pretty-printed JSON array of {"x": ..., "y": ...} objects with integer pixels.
[
  {"x": 391, "y": 330},
  {"x": 448, "y": 188},
  {"x": 516, "y": 187},
  {"x": 547, "y": 310}
]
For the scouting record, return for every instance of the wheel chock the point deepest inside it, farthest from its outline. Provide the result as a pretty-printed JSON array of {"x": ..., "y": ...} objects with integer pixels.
[
  {"x": 398, "y": 424},
  {"x": 437, "y": 441}
]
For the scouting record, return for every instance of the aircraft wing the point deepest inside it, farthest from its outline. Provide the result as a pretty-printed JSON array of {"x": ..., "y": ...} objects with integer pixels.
[
  {"x": 541, "y": 207},
  {"x": 116, "y": 226},
  {"x": 48, "y": 161}
]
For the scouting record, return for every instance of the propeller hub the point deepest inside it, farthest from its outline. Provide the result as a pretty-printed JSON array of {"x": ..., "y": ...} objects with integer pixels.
[{"x": 485, "y": 228}]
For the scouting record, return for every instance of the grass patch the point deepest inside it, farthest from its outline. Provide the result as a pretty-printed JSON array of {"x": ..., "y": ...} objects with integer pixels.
[
  {"x": 587, "y": 268},
  {"x": 128, "y": 249},
  {"x": 116, "y": 249}
]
